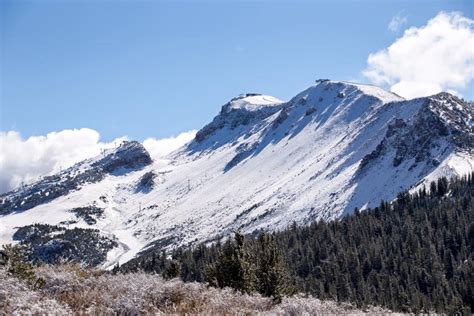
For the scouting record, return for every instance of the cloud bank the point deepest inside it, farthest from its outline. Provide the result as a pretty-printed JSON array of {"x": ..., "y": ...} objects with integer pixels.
[
  {"x": 159, "y": 148},
  {"x": 25, "y": 160},
  {"x": 438, "y": 56}
]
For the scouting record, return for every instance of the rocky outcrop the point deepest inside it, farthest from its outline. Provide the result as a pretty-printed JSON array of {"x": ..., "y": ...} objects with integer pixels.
[
  {"x": 146, "y": 182},
  {"x": 129, "y": 156},
  {"x": 233, "y": 115},
  {"x": 442, "y": 121}
]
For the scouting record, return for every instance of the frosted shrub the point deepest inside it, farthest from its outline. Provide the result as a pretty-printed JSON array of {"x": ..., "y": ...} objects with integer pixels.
[
  {"x": 307, "y": 305},
  {"x": 69, "y": 289},
  {"x": 17, "y": 298},
  {"x": 137, "y": 293}
]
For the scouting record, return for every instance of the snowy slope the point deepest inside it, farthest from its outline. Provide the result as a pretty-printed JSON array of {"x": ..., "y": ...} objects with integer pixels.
[{"x": 263, "y": 163}]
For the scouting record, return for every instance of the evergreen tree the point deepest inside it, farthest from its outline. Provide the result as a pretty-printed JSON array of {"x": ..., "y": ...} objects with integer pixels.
[
  {"x": 172, "y": 270},
  {"x": 272, "y": 278},
  {"x": 233, "y": 267},
  {"x": 413, "y": 254}
]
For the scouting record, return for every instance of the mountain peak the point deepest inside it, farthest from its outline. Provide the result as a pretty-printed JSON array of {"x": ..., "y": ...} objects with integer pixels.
[
  {"x": 241, "y": 111},
  {"x": 130, "y": 154},
  {"x": 250, "y": 102},
  {"x": 448, "y": 98},
  {"x": 375, "y": 91},
  {"x": 446, "y": 105},
  {"x": 326, "y": 90},
  {"x": 367, "y": 89}
]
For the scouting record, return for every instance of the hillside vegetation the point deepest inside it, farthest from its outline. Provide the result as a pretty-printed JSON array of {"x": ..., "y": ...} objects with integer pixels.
[
  {"x": 69, "y": 289},
  {"x": 413, "y": 255}
]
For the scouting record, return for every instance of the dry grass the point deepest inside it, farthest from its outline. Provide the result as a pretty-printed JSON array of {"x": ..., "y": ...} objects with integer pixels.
[{"x": 70, "y": 289}]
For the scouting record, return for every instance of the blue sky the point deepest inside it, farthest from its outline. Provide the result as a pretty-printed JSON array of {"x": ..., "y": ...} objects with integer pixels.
[{"x": 155, "y": 69}]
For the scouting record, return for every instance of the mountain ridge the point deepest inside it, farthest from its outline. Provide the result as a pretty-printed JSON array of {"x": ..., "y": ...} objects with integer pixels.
[{"x": 262, "y": 163}]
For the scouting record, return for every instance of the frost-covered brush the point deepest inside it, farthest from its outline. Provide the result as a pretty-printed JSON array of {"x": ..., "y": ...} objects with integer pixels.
[{"x": 72, "y": 290}]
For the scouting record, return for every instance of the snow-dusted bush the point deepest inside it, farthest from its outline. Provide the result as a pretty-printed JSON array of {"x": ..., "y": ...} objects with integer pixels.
[
  {"x": 71, "y": 289},
  {"x": 307, "y": 305},
  {"x": 97, "y": 292},
  {"x": 17, "y": 298}
]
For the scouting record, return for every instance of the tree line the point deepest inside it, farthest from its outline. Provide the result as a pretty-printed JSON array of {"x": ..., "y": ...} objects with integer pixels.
[{"x": 414, "y": 254}]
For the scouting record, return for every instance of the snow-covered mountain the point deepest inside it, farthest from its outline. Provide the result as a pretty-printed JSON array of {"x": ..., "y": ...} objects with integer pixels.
[{"x": 260, "y": 164}]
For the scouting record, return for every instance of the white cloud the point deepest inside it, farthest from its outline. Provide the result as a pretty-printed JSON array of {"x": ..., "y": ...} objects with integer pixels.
[
  {"x": 25, "y": 160},
  {"x": 397, "y": 22},
  {"x": 438, "y": 56},
  {"x": 161, "y": 147}
]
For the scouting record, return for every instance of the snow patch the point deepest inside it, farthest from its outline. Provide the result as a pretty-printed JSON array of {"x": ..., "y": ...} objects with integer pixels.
[{"x": 253, "y": 102}]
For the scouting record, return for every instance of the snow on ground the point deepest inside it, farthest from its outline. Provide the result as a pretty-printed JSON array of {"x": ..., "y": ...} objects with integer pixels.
[
  {"x": 455, "y": 165},
  {"x": 298, "y": 164},
  {"x": 377, "y": 92},
  {"x": 113, "y": 224},
  {"x": 254, "y": 102}
]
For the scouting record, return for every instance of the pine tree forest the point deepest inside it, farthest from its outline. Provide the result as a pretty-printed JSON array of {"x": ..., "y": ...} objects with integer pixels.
[{"x": 414, "y": 254}]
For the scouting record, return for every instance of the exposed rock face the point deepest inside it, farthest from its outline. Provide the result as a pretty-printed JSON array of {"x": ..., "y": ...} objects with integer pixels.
[
  {"x": 129, "y": 156},
  {"x": 243, "y": 151},
  {"x": 442, "y": 122},
  {"x": 458, "y": 117},
  {"x": 281, "y": 117},
  {"x": 239, "y": 111},
  {"x": 146, "y": 182}
]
